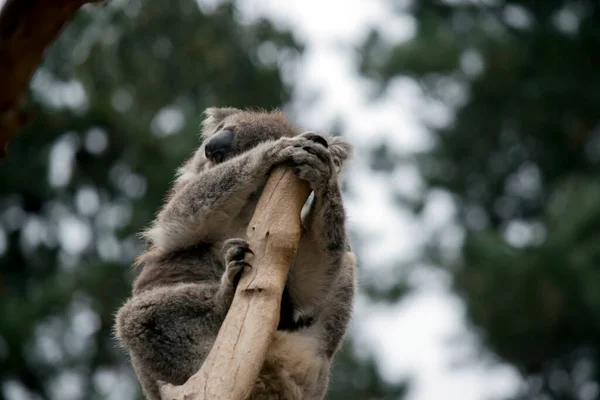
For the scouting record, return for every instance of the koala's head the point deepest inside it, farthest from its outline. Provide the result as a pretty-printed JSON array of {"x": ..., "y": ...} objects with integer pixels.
[{"x": 228, "y": 132}]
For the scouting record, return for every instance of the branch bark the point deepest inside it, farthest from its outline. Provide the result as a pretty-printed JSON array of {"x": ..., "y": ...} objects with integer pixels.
[
  {"x": 233, "y": 364},
  {"x": 27, "y": 27}
]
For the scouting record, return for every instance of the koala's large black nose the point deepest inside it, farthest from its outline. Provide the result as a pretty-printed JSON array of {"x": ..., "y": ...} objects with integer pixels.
[{"x": 219, "y": 145}]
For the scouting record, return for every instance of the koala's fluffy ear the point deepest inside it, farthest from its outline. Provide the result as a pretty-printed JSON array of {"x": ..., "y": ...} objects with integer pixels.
[
  {"x": 214, "y": 116},
  {"x": 340, "y": 149}
]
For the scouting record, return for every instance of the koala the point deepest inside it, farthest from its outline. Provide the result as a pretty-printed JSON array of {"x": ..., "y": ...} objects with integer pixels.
[{"x": 197, "y": 251}]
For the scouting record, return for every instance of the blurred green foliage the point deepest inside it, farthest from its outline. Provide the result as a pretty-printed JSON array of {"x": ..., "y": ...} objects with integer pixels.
[
  {"x": 119, "y": 99},
  {"x": 520, "y": 155}
]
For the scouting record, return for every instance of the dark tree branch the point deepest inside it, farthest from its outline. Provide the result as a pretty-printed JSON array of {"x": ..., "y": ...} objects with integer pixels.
[{"x": 27, "y": 27}]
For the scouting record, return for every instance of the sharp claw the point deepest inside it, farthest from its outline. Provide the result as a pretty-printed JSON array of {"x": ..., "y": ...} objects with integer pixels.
[
  {"x": 315, "y": 137},
  {"x": 242, "y": 264},
  {"x": 236, "y": 250},
  {"x": 236, "y": 270}
]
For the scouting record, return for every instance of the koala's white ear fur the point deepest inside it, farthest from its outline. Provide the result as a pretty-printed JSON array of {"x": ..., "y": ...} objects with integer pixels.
[
  {"x": 219, "y": 114},
  {"x": 341, "y": 149},
  {"x": 214, "y": 116}
]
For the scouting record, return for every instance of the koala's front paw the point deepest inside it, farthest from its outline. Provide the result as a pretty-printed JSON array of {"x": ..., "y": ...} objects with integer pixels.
[
  {"x": 237, "y": 256},
  {"x": 309, "y": 156}
]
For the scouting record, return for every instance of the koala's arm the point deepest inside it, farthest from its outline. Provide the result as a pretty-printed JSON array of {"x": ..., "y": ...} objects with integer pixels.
[
  {"x": 204, "y": 206},
  {"x": 324, "y": 259},
  {"x": 323, "y": 247},
  {"x": 325, "y": 222}
]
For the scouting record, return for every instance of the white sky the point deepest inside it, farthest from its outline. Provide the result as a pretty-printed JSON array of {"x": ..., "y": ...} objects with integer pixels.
[{"x": 410, "y": 339}]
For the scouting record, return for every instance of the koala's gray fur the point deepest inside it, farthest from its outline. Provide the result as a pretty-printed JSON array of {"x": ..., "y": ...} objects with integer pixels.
[{"x": 197, "y": 252}]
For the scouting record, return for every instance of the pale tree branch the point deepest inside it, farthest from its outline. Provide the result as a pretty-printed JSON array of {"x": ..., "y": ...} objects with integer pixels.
[
  {"x": 27, "y": 27},
  {"x": 239, "y": 352}
]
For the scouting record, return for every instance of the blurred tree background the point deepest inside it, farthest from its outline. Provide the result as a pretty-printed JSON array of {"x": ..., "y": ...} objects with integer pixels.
[
  {"x": 520, "y": 155},
  {"x": 119, "y": 100}
]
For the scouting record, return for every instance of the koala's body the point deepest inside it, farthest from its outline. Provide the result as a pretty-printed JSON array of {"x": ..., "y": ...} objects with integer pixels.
[{"x": 197, "y": 252}]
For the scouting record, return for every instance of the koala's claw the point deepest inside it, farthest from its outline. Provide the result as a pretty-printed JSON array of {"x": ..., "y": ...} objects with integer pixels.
[
  {"x": 235, "y": 269},
  {"x": 315, "y": 138},
  {"x": 237, "y": 257},
  {"x": 309, "y": 155},
  {"x": 236, "y": 250}
]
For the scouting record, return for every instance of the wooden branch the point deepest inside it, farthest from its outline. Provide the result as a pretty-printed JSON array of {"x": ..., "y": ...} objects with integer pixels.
[
  {"x": 27, "y": 27},
  {"x": 233, "y": 364}
]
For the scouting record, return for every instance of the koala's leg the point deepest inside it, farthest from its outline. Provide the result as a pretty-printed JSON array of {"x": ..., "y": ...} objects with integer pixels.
[
  {"x": 169, "y": 331},
  {"x": 164, "y": 327}
]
